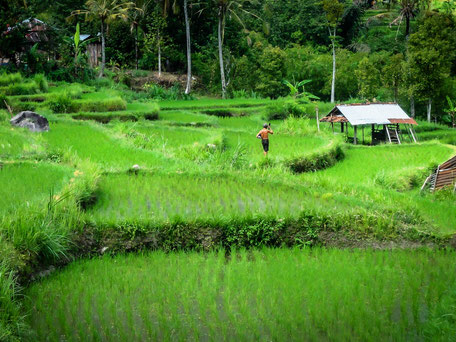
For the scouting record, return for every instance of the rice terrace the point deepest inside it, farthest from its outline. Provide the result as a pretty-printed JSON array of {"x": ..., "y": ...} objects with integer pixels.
[{"x": 228, "y": 170}]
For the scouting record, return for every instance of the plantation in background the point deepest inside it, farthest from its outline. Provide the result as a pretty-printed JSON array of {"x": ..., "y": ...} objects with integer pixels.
[{"x": 115, "y": 174}]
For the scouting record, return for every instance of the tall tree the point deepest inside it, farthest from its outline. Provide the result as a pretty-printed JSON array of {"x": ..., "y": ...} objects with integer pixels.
[
  {"x": 334, "y": 10},
  {"x": 136, "y": 15},
  {"x": 189, "y": 51},
  {"x": 105, "y": 11},
  {"x": 409, "y": 9},
  {"x": 393, "y": 72},
  {"x": 431, "y": 55},
  {"x": 225, "y": 8}
]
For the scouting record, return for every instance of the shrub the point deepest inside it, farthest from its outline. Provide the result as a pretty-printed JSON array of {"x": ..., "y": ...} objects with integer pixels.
[
  {"x": 154, "y": 91},
  {"x": 317, "y": 161},
  {"x": 139, "y": 73},
  {"x": 17, "y": 106},
  {"x": 3, "y": 101},
  {"x": 271, "y": 72},
  {"x": 224, "y": 113},
  {"x": 21, "y": 89},
  {"x": 107, "y": 105},
  {"x": 62, "y": 103},
  {"x": 402, "y": 180},
  {"x": 283, "y": 109},
  {"x": 8, "y": 79},
  {"x": 41, "y": 82}
]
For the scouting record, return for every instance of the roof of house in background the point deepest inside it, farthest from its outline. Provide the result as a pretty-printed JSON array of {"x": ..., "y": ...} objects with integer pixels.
[
  {"x": 36, "y": 30},
  {"x": 368, "y": 114}
]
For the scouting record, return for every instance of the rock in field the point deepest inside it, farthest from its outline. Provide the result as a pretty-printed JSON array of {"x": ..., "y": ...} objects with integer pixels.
[{"x": 33, "y": 121}]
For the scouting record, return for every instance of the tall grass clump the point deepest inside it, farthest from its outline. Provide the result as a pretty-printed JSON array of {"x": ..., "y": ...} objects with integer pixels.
[
  {"x": 62, "y": 103},
  {"x": 41, "y": 82},
  {"x": 27, "y": 88},
  {"x": 280, "y": 110},
  {"x": 8, "y": 79},
  {"x": 105, "y": 105}
]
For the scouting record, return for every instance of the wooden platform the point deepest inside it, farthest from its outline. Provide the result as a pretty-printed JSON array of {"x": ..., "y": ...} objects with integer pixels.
[{"x": 444, "y": 176}]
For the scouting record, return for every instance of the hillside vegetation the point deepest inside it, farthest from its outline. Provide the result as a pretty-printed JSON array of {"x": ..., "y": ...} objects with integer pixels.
[{"x": 149, "y": 211}]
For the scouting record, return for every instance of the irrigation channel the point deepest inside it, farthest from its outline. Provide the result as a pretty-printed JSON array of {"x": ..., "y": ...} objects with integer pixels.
[{"x": 269, "y": 295}]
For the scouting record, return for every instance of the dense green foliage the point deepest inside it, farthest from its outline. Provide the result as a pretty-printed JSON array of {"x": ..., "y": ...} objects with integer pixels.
[{"x": 263, "y": 44}]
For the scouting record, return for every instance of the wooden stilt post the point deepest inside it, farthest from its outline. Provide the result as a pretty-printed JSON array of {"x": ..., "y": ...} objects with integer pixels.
[
  {"x": 342, "y": 127},
  {"x": 332, "y": 125},
  {"x": 355, "y": 138},
  {"x": 363, "y": 134},
  {"x": 318, "y": 120},
  {"x": 372, "y": 134}
]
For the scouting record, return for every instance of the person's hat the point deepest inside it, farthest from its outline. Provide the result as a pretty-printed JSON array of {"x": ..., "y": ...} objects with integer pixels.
[{"x": 265, "y": 125}]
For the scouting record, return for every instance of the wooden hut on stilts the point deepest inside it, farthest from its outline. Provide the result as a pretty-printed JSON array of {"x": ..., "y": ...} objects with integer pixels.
[{"x": 388, "y": 122}]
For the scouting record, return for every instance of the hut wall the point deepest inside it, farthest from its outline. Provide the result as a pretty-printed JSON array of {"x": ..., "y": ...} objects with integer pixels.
[{"x": 94, "y": 53}]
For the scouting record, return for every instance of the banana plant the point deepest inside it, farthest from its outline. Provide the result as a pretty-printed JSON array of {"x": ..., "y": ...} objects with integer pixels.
[
  {"x": 303, "y": 94},
  {"x": 77, "y": 45}
]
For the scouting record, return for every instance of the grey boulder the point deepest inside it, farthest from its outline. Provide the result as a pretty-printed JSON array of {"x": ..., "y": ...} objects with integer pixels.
[{"x": 31, "y": 120}]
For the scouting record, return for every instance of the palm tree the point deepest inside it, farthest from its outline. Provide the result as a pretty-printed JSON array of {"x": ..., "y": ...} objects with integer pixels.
[
  {"x": 408, "y": 11},
  {"x": 106, "y": 11},
  {"x": 189, "y": 52},
  {"x": 228, "y": 8},
  {"x": 136, "y": 15}
]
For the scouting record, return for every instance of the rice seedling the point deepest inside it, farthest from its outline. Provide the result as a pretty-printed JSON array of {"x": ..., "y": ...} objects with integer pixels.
[
  {"x": 362, "y": 164},
  {"x": 28, "y": 185},
  {"x": 269, "y": 294},
  {"x": 91, "y": 141},
  {"x": 17, "y": 142}
]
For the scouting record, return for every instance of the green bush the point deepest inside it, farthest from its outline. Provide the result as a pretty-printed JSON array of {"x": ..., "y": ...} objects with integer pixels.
[
  {"x": 107, "y": 105},
  {"x": 317, "y": 161},
  {"x": 18, "y": 106},
  {"x": 41, "y": 82},
  {"x": 62, "y": 103},
  {"x": 21, "y": 89},
  {"x": 3, "y": 101},
  {"x": 8, "y": 79},
  {"x": 283, "y": 109},
  {"x": 403, "y": 180},
  {"x": 154, "y": 91}
]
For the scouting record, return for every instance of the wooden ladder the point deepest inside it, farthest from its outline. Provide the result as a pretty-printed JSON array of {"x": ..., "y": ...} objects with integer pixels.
[{"x": 393, "y": 135}]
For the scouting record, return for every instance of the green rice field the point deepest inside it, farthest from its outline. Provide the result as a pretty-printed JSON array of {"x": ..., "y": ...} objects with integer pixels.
[
  {"x": 271, "y": 294},
  {"x": 23, "y": 184}
]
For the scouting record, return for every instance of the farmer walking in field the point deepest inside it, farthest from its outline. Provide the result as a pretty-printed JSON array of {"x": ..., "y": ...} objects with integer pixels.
[{"x": 264, "y": 136}]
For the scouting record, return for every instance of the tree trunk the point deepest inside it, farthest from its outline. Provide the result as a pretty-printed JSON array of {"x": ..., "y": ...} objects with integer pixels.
[
  {"x": 407, "y": 26},
  {"x": 159, "y": 54},
  {"x": 412, "y": 106},
  {"x": 103, "y": 53},
  {"x": 136, "y": 45},
  {"x": 395, "y": 94},
  {"x": 189, "y": 51},
  {"x": 429, "y": 108},
  {"x": 333, "y": 82},
  {"x": 220, "y": 48}
]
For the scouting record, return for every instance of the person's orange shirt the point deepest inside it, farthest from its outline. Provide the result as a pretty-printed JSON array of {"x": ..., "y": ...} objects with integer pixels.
[{"x": 264, "y": 133}]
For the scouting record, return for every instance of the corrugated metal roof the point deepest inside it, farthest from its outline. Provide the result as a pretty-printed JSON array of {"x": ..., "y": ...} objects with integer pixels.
[{"x": 374, "y": 113}]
